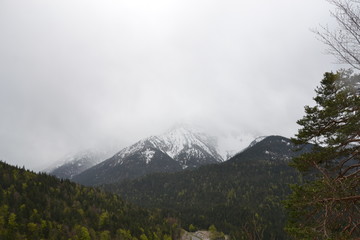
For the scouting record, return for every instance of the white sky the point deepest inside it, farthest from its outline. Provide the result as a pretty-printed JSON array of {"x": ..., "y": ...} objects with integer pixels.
[{"x": 76, "y": 74}]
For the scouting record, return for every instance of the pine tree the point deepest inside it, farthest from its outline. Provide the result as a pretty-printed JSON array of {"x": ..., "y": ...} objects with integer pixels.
[{"x": 326, "y": 205}]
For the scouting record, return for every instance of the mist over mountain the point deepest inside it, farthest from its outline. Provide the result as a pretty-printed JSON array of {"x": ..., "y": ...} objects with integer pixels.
[
  {"x": 74, "y": 164},
  {"x": 181, "y": 147}
]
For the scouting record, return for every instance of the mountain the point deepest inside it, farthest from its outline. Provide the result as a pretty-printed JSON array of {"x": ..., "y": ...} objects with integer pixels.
[
  {"x": 39, "y": 206},
  {"x": 186, "y": 146},
  {"x": 179, "y": 148},
  {"x": 77, "y": 163},
  {"x": 270, "y": 148},
  {"x": 241, "y": 196}
]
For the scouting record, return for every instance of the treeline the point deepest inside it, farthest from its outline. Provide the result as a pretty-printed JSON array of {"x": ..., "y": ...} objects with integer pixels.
[
  {"x": 242, "y": 197},
  {"x": 38, "y": 206}
]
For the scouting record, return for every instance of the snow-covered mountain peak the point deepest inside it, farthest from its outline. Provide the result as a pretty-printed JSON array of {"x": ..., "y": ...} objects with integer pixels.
[
  {"x": 178, "y": 139},
  {"x": 131, "y": 149},
  {"x": 176, "y": 143}
]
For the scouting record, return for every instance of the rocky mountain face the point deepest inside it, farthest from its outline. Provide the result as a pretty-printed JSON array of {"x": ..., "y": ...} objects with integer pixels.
[{"x": 179, "y": 148}]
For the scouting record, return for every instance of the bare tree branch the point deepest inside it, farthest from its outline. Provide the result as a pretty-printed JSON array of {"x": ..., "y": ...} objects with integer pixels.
[{"x": 344, "y": 43}]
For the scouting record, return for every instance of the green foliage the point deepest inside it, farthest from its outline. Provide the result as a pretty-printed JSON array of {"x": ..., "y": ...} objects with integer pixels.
[
  {"x": 143, "y": 237},
  {"x": 105, "y": 235},
  {"x": 192, "y": 228},
  {"x": 123, "y": 234},
  {"x": 38, "y": 206},
  {"x": 214, "y": 234},
  {"x": 212, "y": 228},
  {"x": 326, "y": 204},
  {"x": 167, "y": 237},
  {"x": 82, "y": 233},
  {"x": 104, "y": 219}
]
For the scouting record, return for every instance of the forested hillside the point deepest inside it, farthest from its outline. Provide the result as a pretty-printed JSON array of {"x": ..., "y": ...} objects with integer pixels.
[
  {"x": 242, "y": 196},
  {"x": 38, "y": 206}
]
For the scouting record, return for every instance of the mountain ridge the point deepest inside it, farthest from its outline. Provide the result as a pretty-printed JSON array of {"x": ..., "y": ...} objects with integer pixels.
[{"x": 177, "y": 149}]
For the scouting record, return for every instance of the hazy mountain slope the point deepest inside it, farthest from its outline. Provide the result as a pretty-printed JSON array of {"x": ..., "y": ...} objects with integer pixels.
[
  {"x": 242, "y": 194},
  {"x": 74, "y": 164},
  {"x": 143, "y": 161}
]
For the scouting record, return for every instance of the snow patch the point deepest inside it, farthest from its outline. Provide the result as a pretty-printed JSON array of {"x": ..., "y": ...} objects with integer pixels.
[
  {"x": 257, "y": 140},
  {"x": 174, "y": 141},
  {"x": 148, "y": 154},
  {"x": 286, "y": 142}
]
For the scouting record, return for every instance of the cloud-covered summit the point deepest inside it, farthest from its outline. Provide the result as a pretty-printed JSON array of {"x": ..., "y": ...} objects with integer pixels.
[{"x": 77, "y": 74}]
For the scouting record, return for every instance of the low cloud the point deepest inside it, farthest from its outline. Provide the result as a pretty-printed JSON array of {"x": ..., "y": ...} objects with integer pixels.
[{"x": 79, "y": 74}]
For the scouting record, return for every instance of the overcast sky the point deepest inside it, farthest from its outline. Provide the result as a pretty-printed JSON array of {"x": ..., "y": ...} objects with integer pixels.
[{"x": 75, "y": 74}]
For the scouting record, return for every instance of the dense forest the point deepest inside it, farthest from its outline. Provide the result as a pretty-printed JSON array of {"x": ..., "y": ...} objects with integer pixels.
[
  {"x": 39, "y": 206},
  {"x": 242, "y": 197}
]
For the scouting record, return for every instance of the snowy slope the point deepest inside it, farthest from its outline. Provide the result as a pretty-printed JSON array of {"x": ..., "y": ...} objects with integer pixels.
[
  {"x": 179, "y": 148},
  {"x": 74, "y": 164},
  {"x": 184, "y": 145}
]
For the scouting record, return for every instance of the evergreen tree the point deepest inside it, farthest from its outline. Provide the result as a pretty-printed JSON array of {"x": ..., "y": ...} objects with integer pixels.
[{"x": 326, "y": 205}]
